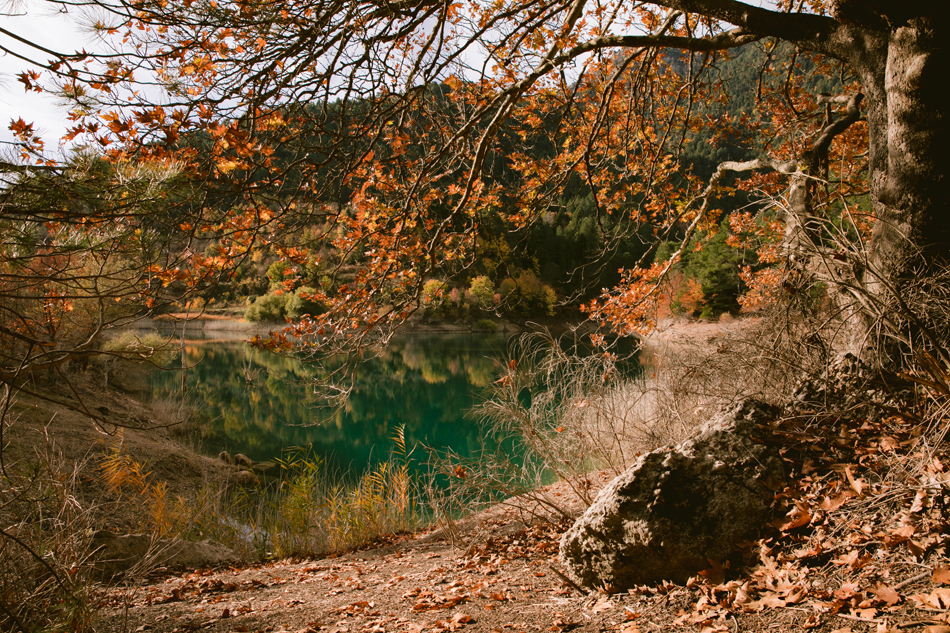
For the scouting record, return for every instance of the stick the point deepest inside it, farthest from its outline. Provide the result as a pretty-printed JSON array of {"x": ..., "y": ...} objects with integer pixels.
[{"x": 568, "y": 580}]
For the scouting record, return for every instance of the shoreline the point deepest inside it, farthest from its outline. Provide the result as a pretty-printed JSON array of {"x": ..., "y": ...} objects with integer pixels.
[{"x": 208, "y": 322}]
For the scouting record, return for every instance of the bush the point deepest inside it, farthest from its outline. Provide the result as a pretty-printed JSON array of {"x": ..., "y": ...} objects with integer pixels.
[
  {"x": 435, "y": 299},
  {"x": 268, "y": 308},
  {"x": 526, "y": 295},
  {"x": 299, "y": 303},
  {"x": 276, "y": 274},
  {"x": 486, "y": 325},
  {"x": 483, "y": 292}
]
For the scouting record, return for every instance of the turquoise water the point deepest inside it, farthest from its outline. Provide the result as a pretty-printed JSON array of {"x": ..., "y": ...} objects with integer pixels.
[{"x": 260, "y": 404}]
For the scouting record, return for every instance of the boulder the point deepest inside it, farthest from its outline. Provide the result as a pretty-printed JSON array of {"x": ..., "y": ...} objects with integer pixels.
[
  {"x": 246, "y": 479},
  {"x": 678, "y": 508},
  {"x": 243, "y": 460},
  {"x": 116, "y": 554}
]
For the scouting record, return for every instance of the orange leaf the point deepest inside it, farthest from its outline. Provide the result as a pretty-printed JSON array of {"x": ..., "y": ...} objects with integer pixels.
[{"x": 942, "y": 575}]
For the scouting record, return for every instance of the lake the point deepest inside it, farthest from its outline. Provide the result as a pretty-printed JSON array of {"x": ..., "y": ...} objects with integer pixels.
[{"x": 260, "y": 404}]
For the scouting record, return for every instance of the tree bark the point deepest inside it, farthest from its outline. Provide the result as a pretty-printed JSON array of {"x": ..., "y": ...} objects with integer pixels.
[{"x": 904, "y": 71}]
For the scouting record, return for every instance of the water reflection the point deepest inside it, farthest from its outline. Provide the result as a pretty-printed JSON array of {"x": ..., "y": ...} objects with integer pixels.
[{"x": 259, "y": 404}]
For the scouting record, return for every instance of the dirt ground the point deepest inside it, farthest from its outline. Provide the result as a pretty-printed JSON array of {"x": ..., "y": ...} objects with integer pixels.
[{"x": 504, "y": 577}]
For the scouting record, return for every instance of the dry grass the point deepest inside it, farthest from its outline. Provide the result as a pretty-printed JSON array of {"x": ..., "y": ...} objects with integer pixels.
[
  {"x": 565, "y": 410},
  {"x": 45, "y": 559},
  {"x": 307, "y": 512}
]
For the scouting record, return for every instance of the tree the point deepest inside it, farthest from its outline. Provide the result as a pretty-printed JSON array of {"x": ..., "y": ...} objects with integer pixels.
[
  {"x": 398, "y": 127},
  {"x": 85, "y": 252}
]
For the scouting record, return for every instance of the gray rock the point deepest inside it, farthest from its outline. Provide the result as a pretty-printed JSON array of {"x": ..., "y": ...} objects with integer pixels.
[
  {"x": 116, "y": 554},
  {"x": 678, "y": 508}
]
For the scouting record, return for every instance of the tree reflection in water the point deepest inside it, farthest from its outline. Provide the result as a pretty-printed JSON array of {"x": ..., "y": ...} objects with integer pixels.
[{"x": 257, "y": 403}]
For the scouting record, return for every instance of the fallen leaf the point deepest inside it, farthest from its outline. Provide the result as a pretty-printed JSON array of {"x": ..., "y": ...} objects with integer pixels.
[
  {"x": 846, "y": 591},
  {"x": 716, "y": 574},
  {"x": 887, "y": 595},
  {"x": 603, "y": 604},
  {"x": 865, "y": 614},
  {"x": 942, "y": 575},
  {"x": 829, "y": 503},
  {"x": 856, "y": 484},
  {"x": 770, "y": 601},
  {"x": 889, "y": 443}
]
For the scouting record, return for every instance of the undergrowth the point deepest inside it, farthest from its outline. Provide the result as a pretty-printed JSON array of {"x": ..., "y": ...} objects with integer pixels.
[
  {"x": 566, "y": 408},
  {"x": 46, "y": 573},
  {"x": 306, "y": 511}
]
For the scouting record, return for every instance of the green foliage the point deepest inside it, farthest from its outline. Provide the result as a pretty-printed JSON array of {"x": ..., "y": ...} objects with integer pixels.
[
  {"x": 299, "y": 303},
  {"x": 483, "y": 291},
  {"x": 716, "y": 266},
  {"x": 486, "y": 325},
  {"x": 278, "y": 306},
  {"x": 275, "y": 273},
  {"x": 526, "y": 295},
  {"x": 268, "y": 308},
  {"x": 435, "y": 297}
]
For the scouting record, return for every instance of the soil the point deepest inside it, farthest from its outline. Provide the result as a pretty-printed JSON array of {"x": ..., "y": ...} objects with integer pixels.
[
  {"x": 494, "y": 572},
  {"x": 504, "y": 576}
]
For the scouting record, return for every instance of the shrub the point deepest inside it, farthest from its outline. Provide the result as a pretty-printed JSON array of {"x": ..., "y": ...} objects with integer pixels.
[
  {"x": 526, "y": 295},
  {"x": 486, "y": 325},
  {"x": 483, "y": 292},
  {"x": 268, "y": 308},
  {"x": 435, "y": 299},
  {"x": 300, "y": 303},
  {"x": 276, "y": 274}
]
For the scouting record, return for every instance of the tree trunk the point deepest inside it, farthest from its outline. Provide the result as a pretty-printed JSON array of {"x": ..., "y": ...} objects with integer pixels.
[{"x": 904, "y": 71}]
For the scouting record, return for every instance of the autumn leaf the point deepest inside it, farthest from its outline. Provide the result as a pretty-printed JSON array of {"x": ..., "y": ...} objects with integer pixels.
[
  {"x": 941, "y": 575},
  {"x": 887, "y": 595}
]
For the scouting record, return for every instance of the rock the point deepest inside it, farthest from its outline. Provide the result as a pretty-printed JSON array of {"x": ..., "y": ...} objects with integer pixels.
[
  {"x": 225, "y": 457},
  {"x": 246, "y": 479},
  {"x": 115, "y": 554},
  {"x": 266, "y": 468},
  {"x": 243, "y": 460},
  {"x": 679, "y": 507}
]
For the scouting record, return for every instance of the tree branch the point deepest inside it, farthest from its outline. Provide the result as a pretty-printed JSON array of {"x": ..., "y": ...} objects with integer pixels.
[
  {"x": 722, "y": 41},
  {"x": 795, "y": 27}
]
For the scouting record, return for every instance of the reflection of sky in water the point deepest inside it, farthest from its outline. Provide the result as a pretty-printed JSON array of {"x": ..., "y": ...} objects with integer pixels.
[{"x": 255, "y": 403}]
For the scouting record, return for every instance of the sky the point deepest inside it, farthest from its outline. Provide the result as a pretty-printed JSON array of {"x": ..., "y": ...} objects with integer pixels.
[{"x": 34, "y": 20}]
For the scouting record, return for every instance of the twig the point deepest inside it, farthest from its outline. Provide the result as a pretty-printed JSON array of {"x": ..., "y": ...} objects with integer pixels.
[
  {"x": 860, "y": 619},
  {"x": 568, "y": 580},
  {"x": 912, "y": 580}
]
